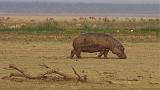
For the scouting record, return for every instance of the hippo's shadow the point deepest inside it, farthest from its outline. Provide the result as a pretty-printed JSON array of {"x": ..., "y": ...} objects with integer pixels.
[
  {"x": 94, "y": 58},
  {"x": 99, "y": 58}
]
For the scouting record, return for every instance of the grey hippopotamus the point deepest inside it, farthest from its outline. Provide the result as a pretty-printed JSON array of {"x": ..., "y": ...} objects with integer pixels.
[{"x": 97, "y": 42}]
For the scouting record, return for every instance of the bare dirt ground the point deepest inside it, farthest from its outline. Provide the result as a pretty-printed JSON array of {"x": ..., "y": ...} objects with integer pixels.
[{"x": 140, "y": 71}]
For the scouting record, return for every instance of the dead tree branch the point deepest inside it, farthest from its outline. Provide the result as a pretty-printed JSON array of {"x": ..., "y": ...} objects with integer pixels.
[{"x": 44, "y": 76}]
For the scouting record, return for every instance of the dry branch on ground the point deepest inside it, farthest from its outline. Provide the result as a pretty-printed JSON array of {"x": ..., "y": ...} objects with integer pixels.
[{"x": 48, "y": 75}]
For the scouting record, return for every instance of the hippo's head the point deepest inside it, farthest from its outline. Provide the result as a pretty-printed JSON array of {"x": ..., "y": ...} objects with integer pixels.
[{"x": 119, "y": 51}]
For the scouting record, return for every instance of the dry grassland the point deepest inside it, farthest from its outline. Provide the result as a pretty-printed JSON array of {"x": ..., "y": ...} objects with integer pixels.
[{"x": 140, "y": 71}]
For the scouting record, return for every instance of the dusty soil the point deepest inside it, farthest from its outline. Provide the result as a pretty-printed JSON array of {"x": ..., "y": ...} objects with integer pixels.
[{"x": 140, "y": 71}]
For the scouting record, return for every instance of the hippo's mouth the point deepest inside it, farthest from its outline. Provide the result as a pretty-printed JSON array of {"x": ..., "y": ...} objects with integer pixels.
[{"x": 122, "y": 56}]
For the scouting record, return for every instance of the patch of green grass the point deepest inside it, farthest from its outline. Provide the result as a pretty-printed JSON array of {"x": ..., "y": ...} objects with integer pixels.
[
  {"x": 40, "y": 27},
  {"x": 100, "y": 27}
]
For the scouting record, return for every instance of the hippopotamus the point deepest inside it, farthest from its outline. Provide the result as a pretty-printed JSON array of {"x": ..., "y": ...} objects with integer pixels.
[{"x": 97, "y": 42}]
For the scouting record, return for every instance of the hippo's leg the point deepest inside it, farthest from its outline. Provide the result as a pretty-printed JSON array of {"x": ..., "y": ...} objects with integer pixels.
[
  {"x": 101, "y": 53},
  {"x": 106, "y": 53},
  {"x": 78, "y": 54},
  {"x": 73, "y": 52}
]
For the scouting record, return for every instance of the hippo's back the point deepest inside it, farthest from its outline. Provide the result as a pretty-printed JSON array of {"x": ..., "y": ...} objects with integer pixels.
[{"x": 91, "y": 42}]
